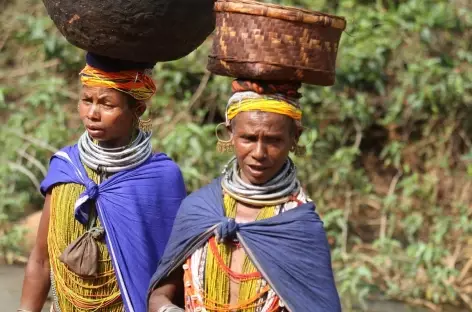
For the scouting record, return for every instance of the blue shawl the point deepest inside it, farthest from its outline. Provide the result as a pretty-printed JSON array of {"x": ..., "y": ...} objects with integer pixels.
[
  {"x": 290, "y": 250},
  {"x": 136, "y": 207}
]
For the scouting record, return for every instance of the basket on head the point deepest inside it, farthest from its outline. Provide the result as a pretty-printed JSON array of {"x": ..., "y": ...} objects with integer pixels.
[
  {"x": 255, "y": 40},
  {"x": 135, "y": 30}
]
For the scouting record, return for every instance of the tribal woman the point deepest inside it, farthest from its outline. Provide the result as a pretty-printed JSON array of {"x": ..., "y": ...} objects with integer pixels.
[
  {"x": 110, "y": 202},
  {"x": 251, "y": 240}
]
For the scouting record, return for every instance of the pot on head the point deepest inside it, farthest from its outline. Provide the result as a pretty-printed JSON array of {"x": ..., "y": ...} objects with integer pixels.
[{"x": 136, "y": 30}]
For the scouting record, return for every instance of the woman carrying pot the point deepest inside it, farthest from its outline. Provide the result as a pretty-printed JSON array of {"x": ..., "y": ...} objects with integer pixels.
[{"x": 110, "y": 202}]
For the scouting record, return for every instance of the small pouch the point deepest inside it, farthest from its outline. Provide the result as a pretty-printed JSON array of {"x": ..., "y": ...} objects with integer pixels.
[{"x": 81, "y": 256}]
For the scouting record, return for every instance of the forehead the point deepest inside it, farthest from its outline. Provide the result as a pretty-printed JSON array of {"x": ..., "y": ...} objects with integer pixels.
[
  {"x": 262, "y": 121},
  {"x": 101, "y": 91}
]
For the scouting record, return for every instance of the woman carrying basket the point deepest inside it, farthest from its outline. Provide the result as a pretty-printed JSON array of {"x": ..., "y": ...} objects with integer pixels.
[
  {"x": 251, "y": 240},
  {"x": 110, "y": 201}
]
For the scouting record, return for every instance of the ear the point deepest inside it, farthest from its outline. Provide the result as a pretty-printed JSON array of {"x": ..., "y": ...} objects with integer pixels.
[
  {"x": 229, "y": 128},
  {"x": 298, "y": 133},
  {"x": 140, "y": 108}
]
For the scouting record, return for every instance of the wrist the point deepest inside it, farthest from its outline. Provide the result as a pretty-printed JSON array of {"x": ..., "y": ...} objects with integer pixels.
[{"x": 170, "y": 308}]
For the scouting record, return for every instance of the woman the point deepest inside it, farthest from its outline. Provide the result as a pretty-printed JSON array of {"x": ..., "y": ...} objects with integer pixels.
[
  {"x": 266, "y": 250},
  {"x": 110, "y": 202}
]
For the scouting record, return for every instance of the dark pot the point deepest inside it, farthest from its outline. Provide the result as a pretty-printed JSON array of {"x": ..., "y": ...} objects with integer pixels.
[{"x": 139, "y": 30}]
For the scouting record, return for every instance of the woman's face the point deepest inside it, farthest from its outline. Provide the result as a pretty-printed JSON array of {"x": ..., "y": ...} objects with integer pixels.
[
  {"x": 107, "y": 115},
  {"x": 262, "y": 142}
]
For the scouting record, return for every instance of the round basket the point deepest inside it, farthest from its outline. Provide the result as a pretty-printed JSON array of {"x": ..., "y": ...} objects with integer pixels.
[
  {"x": 262, "y": 41},
  {"x": 136, "y": 30}
]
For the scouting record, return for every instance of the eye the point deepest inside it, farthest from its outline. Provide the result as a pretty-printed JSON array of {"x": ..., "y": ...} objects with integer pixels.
[
  {"x": 86, "y": 100},
  {"x": 249, "y": 138},
  {"x": 107, "y": 106},
  {"x": 274, "y": 140}
]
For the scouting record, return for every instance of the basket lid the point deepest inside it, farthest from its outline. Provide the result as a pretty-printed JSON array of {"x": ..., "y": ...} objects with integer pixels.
[
  {"x": 287, "y": 13},
  {"x": 255, "y": 40}
]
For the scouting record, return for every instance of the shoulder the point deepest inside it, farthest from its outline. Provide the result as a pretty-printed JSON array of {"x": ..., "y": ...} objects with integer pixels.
[
  {"x": 65, "y": 153},
  {"x": 69, "y": 149},
  {"x": 301, "y": 198},
  {"x": 166, "y": 165},
  {"x": 202, "y": 203},
  {"x": 208, "y": 192},
  {"x": 167, "y": 175},
  {"x": 64, "y": 160},
  {"x": 60, "y": 169}
]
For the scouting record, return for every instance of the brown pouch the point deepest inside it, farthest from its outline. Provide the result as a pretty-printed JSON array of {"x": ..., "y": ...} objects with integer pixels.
[{"x": 81, "y": 256}]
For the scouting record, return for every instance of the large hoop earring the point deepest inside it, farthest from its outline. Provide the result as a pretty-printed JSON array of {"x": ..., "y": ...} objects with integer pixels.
[
  {"x": 144, "y": 125},
  {"x": 223, "y": 146},
  {"x": 300, "y": 150}
]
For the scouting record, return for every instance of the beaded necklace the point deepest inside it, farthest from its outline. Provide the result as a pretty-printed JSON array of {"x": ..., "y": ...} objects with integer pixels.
[
  {"x": 72, "y": 292},
  {"x": 207, "y": 286}
]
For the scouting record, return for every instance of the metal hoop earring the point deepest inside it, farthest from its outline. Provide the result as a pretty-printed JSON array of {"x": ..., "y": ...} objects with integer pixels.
[
  {"x": 223, "y": 145},
  {"x": 144, "y": 125},
  {"x": 300, "y": 150}
]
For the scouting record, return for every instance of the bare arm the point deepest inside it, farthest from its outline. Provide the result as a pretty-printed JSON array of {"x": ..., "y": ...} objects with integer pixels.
[
  {"x": 170, "y": 291},
  {"x": 37, "y": 273}
]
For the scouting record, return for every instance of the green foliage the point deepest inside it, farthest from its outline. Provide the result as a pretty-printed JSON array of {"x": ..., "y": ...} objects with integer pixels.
[{"x": 389, "y": 159}]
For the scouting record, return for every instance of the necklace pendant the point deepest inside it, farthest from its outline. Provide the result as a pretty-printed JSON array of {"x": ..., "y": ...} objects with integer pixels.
[{"x": 236, "y": 243}]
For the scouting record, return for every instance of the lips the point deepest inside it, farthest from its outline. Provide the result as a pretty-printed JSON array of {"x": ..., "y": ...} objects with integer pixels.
[
  {"x": 94, "y": 131},
  {"x": 256, "y": 167},
  {"x": 257, "y": 170}
]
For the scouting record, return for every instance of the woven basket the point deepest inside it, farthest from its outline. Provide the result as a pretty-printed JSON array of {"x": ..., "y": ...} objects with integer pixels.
[
  {"x": 262, "y": 41},
  {"x": 136, "y": 30}
]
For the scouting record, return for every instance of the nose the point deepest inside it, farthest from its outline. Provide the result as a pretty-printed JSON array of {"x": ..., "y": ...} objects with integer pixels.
[
  {"x": 93, "y": 112},
  {"x": 259, "y": 153}
]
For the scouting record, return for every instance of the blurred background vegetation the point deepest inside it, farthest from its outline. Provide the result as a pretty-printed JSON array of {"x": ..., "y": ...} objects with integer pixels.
[{"x": 389, "y": 159}]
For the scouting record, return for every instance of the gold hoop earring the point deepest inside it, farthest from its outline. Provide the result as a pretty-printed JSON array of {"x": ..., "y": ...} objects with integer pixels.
[
  {"x": 300, "y": 150},
  {"x": 144, "y": 125},
  {"x": 223, "y": 146}
]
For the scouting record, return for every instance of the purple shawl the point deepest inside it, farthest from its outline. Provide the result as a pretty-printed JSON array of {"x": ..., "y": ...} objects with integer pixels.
[
  {"x": 290, "y": 250},
  {"x": 136, "y": 207}
]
